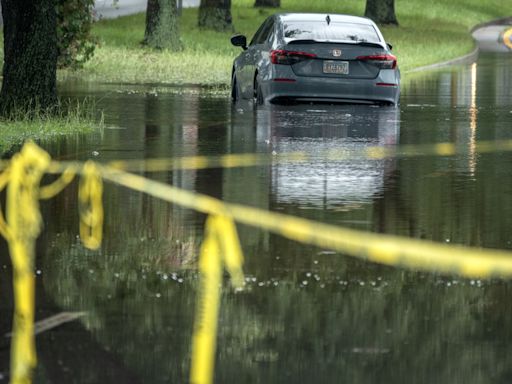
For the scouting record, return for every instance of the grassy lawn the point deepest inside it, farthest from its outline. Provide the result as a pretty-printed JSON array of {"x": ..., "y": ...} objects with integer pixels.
[
  {"x": 428, "y": 33},
  {"x": 76, "y": 119}
]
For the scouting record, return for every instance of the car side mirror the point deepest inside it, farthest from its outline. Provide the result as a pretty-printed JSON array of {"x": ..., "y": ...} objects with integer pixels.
[
  {"x": 389, "y": 46},
  {"x": 239, "y": 41}
]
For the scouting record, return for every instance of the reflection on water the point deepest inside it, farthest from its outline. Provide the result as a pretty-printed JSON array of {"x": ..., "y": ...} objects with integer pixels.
[
  {"x": 319, "y": 183},
  {"x": 308, "y": 314}
]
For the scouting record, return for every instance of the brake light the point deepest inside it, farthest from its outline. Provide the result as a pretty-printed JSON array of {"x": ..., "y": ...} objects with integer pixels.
[
  {"x": 382, "y": 61},
  {"x": 281, "y": 56}
]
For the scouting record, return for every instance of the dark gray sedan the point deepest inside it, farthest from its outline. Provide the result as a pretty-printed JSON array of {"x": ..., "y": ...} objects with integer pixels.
[{"x": 316, "y": 57}]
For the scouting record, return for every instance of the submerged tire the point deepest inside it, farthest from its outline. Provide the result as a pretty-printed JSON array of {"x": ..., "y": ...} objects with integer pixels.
[
  {"x": 258, "y": 95},
  {"x": 235, "y": 96}
]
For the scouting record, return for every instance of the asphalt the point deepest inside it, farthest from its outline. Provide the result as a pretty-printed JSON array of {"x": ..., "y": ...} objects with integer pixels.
[
  {"x": 110, "y": 9},
  {"x": 494, "y": 37}
]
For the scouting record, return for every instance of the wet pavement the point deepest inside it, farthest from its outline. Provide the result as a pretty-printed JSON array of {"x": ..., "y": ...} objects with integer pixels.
[
  {"x": 307, "y": 314},
  {"x": 495, "y": 37},
  {"x": 109, "y": 9}
]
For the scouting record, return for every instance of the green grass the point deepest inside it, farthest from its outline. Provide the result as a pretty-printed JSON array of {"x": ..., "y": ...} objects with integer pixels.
[
  {"x": 428, "y": 33},
  {"x": 70, "y": 119}
]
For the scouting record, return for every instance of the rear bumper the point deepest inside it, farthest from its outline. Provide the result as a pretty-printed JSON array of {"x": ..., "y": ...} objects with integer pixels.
[{"x": 385, "y": 88}]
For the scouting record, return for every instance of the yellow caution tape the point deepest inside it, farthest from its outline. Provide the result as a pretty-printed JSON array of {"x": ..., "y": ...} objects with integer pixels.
[
  {"x": 90, "y": 197},
  {"x": 220, "y": 246},
  {"x": 379, "y": 248},
  {"x": 252, "y": 160}
]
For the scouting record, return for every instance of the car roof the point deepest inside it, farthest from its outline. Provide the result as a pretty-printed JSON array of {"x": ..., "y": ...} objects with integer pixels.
[{"x": 321, "y": 17}]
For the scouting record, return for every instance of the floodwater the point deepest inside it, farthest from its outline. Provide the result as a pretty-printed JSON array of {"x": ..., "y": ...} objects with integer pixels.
[{"x": 307, "y": 314}]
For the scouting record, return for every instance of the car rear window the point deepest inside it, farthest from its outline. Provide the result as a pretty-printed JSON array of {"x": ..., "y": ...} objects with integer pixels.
[{"x": 322, "y": 31}]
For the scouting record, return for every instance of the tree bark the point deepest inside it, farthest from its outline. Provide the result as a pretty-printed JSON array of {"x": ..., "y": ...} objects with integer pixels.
[
  {"x": 30, "y": 56},
  {"x": 162, "y": 29},
  {"x": 381, "y": 11},
  {"x": 216, "y": 15},
  {"x": 268, "y": 3}
]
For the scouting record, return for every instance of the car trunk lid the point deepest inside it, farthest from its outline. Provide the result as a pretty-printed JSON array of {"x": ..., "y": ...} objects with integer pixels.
[{"x": 338, "y": 60}]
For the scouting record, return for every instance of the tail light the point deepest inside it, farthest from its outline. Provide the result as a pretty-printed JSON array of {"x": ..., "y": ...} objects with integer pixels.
[
  {"x": 382, "y": 61},
  {"x": 281, "y": 56}
]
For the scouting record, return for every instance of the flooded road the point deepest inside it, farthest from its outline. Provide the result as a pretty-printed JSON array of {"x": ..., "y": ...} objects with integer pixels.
[{"x": 308, "y": 314}]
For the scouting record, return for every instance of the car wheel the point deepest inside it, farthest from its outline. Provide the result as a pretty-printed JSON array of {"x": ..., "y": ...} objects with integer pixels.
[{"x": 235, "y": 95}]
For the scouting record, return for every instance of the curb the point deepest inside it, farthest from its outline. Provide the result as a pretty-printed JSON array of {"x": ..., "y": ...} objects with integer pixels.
[{"x": 468, "y": 58}]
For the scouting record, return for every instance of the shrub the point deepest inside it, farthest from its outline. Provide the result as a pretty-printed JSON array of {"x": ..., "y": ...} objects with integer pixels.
[{"x": 74, "y": 39}]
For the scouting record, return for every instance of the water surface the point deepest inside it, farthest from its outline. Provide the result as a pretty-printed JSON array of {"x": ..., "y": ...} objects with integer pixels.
[{"x": 307, "y": 314}]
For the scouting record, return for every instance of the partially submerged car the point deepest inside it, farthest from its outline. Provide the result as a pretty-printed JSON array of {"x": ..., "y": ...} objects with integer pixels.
[{"x": 316, "y": 57}]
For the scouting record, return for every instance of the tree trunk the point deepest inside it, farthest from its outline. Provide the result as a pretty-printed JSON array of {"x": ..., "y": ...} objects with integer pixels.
[
  {"x": 381, "y": 11},
  {"x": 268, "y": 3},
  {"x": 216, "y": 15},
  {"x": 30, "y": 56},
  {"x": 162, "y": 30}
]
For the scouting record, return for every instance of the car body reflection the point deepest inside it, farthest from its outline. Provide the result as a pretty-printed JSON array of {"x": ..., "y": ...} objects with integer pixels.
[{"x": 318, "y": 130}]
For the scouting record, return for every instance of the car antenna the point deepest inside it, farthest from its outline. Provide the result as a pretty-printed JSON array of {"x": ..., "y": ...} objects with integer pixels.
[{"x": 328, "y": 19}]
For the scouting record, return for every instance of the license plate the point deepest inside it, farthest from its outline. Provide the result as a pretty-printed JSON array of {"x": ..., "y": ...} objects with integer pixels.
[{"x": 336, "y": 67}]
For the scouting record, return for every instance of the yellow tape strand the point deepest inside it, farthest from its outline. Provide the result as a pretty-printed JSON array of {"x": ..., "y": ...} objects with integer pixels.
[
  {"x": 52, "y": 190},
  {"x": 220, "y": 247},
  {"x": 90, "y": 197},
  {"x": 24, "y": 225}
]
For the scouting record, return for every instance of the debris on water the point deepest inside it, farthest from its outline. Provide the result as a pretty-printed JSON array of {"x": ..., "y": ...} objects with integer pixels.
[
  {"x": 95, "y": 153},
  {"x": 370, "y": 350},
  {"x": 348, "y": 115},
  {"x": 274, "y": 153},
  {"x": 267, "y": 142},
  {"x": 165, "y": 276},
  {"x": 326, "y": 253},
  {"x": 158, "y": 295},
  {"x": 38, "y": 272},
  {"x": 447, "y": 240},
  {"x": 315, "y": 261},
  {"x": 304, "y": 282},
  {"x": 180, "y": 280},
  {"x": 308, "y": 274}
]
